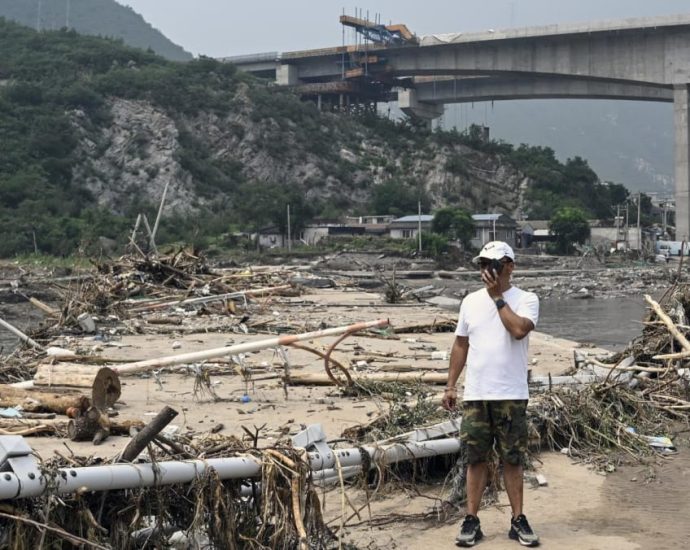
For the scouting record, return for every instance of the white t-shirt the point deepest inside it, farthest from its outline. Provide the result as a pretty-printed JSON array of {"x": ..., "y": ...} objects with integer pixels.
[{"x": 496, "y": 362}]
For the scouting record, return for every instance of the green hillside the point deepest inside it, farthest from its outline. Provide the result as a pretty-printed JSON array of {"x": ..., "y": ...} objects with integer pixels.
[
  {"x": 92, "y": 132},
  {"x": 94, "y": 17}
]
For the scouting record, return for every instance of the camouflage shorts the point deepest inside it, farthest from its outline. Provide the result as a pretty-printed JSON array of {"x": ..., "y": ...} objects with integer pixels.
[{"x": 504, "y": 422}]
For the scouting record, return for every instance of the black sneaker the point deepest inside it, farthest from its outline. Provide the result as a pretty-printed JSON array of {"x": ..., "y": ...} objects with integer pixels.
[
  {"x": 470, "y": 532},
  {"x": 522, "y": 532}
]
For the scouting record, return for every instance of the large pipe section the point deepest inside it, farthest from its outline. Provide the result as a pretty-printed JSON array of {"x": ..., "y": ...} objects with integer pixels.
[{"x": 27, "y": 481}]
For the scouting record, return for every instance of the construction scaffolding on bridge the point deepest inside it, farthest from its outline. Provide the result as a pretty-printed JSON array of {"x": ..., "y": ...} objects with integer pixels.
[{"x": 364, "y": 82}]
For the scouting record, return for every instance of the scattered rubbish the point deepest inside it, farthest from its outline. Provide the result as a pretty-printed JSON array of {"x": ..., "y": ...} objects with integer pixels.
[
  {"x": 11, "y": 412},
  {"x": 87, "y": 323},
  {"x": 657, "y": 442}
]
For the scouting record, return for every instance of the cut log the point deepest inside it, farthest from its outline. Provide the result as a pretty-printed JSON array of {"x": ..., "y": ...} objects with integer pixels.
[
  {"x": 318, "y": 379},
  {"x": 92, "y": 425},
  {"x": 42, "y": 401},
  {"x": 103, "y": 381},
  {"x": 106, "y": 389}
]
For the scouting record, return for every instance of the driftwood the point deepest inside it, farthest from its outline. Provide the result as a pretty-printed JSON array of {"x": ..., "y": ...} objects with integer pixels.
[
  {"x": 42, "y": 401},
  {"x": 25, "y": 426},
  {"x": 318, "y": 379},
  {"x": 678, "y": 335},
  {"x": 216, "y": 298},
  {"x": 45, "y": 308},
  {"x": 148, "y": 434},
  {"x": 103, "y": 381},
  {"x": 19, "y": 334},
  {"x": 437, "y": 325}
]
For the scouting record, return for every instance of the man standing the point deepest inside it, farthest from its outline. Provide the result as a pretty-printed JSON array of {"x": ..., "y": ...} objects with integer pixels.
[{"x": 491, "y": 340}]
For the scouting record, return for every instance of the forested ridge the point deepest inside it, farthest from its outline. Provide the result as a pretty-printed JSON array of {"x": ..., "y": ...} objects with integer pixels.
[
  {"x": 105, "y": 18},
  {"x": 81, "y": 155}
]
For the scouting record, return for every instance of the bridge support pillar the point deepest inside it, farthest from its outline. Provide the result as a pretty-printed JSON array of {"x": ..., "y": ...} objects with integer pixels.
[
  {"x": 681, "y": 106},
  {"x": 287, "y": 75},
  {"x": 411, "y": 106}
]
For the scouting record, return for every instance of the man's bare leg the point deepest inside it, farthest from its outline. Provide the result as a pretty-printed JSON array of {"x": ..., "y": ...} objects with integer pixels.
[
  {"x": 477, "y": 475},
  {"x": 512, "y": 475}
]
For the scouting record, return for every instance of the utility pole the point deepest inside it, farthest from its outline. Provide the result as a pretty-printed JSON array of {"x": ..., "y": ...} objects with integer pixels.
[
  {"x": 639, "y": 229},
  {"x": 67, "y": 14},
  {"x": 419, "y": 224},
  {"x": 38, "y": 16},
  {"x": 664, "y": 218},
  {"x": 289, "y": 236}
]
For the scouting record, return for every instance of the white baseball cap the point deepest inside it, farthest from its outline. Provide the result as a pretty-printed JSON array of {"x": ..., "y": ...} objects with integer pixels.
[{"x": 495, "y": 250}]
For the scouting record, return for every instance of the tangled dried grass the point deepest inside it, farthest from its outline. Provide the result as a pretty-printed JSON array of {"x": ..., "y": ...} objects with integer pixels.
[{"x": 283, "y": 512}]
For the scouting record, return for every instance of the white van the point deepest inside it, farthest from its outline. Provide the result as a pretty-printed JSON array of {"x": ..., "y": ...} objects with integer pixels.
[{"x": 672, "y": 248}]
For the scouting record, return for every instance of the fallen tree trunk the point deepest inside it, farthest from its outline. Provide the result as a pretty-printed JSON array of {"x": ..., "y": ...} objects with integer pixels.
[
  {"x": 42, "y": 401},
  {"x": 318, "y": 379},
  {"x": 284, "y": 340}
]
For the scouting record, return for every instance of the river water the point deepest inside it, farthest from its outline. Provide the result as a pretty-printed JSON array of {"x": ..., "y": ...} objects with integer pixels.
[{"x": 610, "y": 323}]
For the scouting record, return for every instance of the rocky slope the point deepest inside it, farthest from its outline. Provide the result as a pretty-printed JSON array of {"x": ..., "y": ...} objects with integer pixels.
[{"x": 333, "y": 161}]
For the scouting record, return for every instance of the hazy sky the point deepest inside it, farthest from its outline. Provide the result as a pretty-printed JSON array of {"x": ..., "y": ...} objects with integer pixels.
[{"x": 219, "y": 28}]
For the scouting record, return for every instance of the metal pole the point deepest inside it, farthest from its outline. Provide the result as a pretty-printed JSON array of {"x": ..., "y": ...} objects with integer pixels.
[
  {"x": 284, "y": 340},
  {"x": 28, "y": 484}
]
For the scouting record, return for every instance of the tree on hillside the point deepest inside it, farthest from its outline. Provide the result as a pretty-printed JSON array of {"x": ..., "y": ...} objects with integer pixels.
[
  {"x": 570, "y": 226},
  {"x": 397, "y": 198},
  {"x": 454, "y": 223}
]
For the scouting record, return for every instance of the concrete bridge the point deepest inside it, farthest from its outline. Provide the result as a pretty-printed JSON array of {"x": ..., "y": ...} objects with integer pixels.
[{"x": 636, "y": 59}]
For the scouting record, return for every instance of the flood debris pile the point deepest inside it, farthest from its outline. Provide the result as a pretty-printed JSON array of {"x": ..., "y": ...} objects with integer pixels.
[
  {"x": 603, "y": 412},
  {"x": 622, "y": 407},
  {"x": 181, "y": 281},
  {"x": 281, "y": 510}
]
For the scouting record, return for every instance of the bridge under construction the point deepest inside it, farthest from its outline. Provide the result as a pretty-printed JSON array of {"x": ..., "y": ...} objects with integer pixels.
[{"x": 646, "y": 59}]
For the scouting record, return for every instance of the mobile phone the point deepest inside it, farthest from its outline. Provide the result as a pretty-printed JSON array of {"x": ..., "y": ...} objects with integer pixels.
[{"x": 497, "y": 266}]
